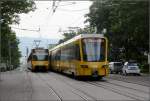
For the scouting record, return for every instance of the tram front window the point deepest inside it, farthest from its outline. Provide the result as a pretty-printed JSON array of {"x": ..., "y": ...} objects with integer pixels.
[
  {"x": 93, "y": 49},
  {"x": 40, "y": 57}
]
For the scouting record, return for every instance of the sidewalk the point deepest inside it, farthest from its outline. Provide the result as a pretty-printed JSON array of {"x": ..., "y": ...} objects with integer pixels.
[
  {"x": 15, "y": 86},
  {"x": 145, "y": 74}
]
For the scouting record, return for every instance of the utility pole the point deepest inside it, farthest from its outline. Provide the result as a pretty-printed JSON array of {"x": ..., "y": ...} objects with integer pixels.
[
  {"x": 39, "y": 32},
  {"x": 0, "y": 39},
  {"x": 26, "y": 57},
  {"x": 0, "y": 43},
  {"x": 9, "y": 43},
  {"x": 27, "y": 51}
]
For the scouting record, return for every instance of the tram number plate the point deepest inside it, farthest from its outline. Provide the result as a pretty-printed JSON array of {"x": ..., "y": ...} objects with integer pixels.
[
  {"x": 40, "y": 63},
  {"x": 95, "y": 75}
]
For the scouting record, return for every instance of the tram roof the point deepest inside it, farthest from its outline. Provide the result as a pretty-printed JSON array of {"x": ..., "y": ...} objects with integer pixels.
[{"x": 78, "y": 37}]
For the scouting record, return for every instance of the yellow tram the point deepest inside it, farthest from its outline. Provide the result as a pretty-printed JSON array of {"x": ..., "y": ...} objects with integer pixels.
[
  {"x": 38, "y": 60},
  {"x": 81, "y": 56}
]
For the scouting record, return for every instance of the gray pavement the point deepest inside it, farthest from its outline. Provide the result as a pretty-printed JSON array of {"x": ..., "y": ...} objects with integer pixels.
[
  {"x": 144, "y": 79},
  {"x": 28, "y": 86},
  {"x": 15, "y": 86}
]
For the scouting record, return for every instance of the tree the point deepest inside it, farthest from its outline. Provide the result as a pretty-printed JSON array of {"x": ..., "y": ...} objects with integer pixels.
[
  {"x": 127, "y": 26},
  {"x": 11, "y": 9},
  {"x": 67, "y": 36},
  {"x": 9, "y": 13},
  {"x": 72, "y": 33}
]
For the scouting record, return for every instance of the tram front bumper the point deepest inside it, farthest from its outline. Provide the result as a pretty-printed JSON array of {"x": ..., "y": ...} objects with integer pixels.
[
  {"x": 39, "y": 67},
  {"x": 84, "y": 70}
]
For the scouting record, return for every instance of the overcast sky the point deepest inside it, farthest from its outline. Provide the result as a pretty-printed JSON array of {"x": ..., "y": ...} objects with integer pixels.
[{"x": 68, "y": 14}]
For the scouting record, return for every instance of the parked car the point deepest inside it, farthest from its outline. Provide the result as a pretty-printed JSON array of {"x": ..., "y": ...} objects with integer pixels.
[
  {"x": 3, "y": 67},
  {"x": 115, "y": 67},
  {"x": 130, "y": 68}
]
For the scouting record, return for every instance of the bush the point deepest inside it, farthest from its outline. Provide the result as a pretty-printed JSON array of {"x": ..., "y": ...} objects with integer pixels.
[{"x": 144, "y": 68}]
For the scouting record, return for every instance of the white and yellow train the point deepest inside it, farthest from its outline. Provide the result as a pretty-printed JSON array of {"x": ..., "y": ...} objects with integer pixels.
[
  {"x": 82, "y": 56},
  {"x": 38, "y": 60}
]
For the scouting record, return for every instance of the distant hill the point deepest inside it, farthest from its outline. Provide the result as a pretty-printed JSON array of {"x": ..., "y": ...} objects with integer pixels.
[{"x": 27, "y": 42}]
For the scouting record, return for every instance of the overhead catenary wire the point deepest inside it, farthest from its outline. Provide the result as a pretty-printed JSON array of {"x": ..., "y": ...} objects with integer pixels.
[
  {"x": 45, "y": 21},
  {"x": 55, "y": 6},
  {"x": 72, "y": 3},
  {"x": 77, "y": 22},
  {"x": 25, "y": 29},
  {"x": 68, "y": 10},
  {"x": 52, "y": 11}
]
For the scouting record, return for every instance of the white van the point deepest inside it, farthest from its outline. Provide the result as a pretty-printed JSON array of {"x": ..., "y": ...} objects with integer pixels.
[
  {"x": 115, "y": 67},
  {"x": 130, "y": 68}
]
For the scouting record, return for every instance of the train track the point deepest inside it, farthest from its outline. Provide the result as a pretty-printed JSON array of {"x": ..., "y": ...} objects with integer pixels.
[
  {"x": 109, "y": 86},
  {"x": 30, "y": 83},
  {"x": 124, "y": 80},
  {"x": 51, "y": 88},
  {"x": 76, "y": 90},
  {"x": 127, "y": 87},
  {"x": 82, "y": 97},
  {"x": 121, "y": 92}
]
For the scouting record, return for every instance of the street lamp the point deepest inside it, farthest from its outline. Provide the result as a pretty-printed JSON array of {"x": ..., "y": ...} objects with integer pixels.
[{"x": 1, "y": 21}]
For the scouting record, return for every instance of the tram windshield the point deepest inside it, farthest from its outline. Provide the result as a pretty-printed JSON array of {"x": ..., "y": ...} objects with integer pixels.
[
  {"x": 40, "y": 57},
  {"x": 93, "y": 49}
]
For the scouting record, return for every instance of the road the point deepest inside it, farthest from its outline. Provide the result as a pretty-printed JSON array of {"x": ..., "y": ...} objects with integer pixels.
[
  {"x": 28, "y": 86},
  {"x": 144, "y": 79}
]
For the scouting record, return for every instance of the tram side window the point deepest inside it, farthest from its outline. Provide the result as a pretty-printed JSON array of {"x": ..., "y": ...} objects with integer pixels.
[
  {"x": 63, "y": 53},
  {"x": 74, "y": 52},
  {"x": 70, "y": 52},
  {"x": 66, "y": 53},
  {"x": 103, "y": 50},
  {"x": 54, "y": 55},
  {"x": 77, "y": 52},
  {"x": 34, "y": 58},
  {"x": 58, "y": 55}
]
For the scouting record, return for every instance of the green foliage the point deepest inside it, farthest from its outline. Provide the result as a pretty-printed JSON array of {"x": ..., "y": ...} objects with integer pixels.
[
  {"x": 67, "y": 36},
  {"x": 127, "y": 24},
  {"x": 9, "y": 13},
  {"x": 144, "y": 68},
  {"x": 86, "y": 30},
  {"x": 11, "y": 9},
  {"x": 71, "y": 34}
]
